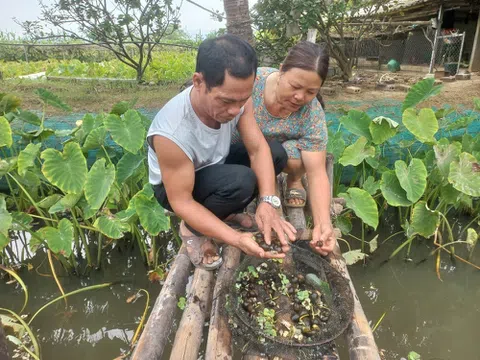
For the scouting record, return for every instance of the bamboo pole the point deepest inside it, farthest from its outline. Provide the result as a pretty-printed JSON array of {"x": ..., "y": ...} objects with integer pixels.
[
  {"x": 359, "y": 336},
  {"x": 189, "y": 334},
  {"x": 219, "y": 343},
  {"x": 155, "y": 335}
]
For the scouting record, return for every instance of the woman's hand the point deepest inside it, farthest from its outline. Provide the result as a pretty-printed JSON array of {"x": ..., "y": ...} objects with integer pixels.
[
  {"x": 246, "y": 242},
  {"x": 323, "y": 239}
]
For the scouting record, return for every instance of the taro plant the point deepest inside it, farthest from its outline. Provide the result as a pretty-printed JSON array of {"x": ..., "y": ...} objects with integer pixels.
[
  {"x": 430, "y": 177},
  {"x": 87, "y": 191}
]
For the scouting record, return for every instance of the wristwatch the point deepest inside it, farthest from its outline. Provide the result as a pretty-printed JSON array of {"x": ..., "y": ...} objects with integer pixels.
[{"x": 272, "y": 200}]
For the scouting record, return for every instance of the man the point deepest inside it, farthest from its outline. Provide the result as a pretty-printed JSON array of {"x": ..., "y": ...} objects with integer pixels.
[{"x": 195, "y": 173}]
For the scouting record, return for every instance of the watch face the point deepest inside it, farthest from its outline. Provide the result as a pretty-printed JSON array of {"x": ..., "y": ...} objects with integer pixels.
[{"x": 276, "y": 201}]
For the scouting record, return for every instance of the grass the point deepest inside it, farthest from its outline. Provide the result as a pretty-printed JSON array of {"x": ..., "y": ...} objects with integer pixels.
[{"x": 90, "y": 96}]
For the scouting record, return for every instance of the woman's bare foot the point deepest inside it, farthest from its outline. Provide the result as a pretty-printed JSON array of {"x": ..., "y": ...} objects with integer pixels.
[{"x": 208, "y": 248}]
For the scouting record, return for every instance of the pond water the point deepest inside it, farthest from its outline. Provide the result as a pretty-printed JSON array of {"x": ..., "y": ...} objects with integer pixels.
[{"x": 437, "y": 319}]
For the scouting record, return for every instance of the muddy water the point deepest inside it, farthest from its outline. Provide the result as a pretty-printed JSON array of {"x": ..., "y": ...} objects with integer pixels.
[{"x": 437, "y": 319}]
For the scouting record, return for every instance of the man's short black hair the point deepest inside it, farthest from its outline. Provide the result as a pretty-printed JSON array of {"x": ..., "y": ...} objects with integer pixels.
[{"x": 226, "y": 52}]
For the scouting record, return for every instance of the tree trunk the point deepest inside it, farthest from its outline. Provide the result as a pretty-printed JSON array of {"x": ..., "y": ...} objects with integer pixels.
[{"x": 238, "y": 19}]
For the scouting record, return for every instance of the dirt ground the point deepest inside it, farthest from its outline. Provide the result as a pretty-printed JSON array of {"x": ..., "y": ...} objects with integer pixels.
[
  {"x": 96, "y": 97},
  {"x": 459, "y": 92}
]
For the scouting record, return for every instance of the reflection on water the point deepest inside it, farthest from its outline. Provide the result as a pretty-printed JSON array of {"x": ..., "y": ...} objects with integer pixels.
[
  {"x": 97, "y": 324},
  {"x": 438, "y": 320}
]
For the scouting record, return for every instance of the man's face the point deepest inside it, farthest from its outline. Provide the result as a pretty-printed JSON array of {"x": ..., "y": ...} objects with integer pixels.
[{"x": 222, "y": 103}]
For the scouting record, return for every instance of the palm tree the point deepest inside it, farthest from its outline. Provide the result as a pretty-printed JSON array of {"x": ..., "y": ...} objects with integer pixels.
[{"x": 238, "y": 19}]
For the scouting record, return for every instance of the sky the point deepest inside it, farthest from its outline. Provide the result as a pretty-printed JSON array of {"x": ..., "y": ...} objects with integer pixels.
[{"x": 192, "y": 18}]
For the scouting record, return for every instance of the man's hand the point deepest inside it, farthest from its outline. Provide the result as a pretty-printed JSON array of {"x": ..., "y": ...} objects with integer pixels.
[
  {"x": 267, "y": 219},
  {"x": 246, "y": 242},
  {"x": 323, "y": 239}
]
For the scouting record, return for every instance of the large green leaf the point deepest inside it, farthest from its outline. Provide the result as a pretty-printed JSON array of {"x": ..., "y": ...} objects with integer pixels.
[
  {"x": 20, "y": 221},
  {"x": 382, "y": 129},
  {"x": 95, "y": 139},
  {"x": 99, "y": 181},
  {"x": 357, "y": 122},
  {"x": 8, "y": 103},
  {"x": 336, "y": 145},
  {"x": 371, "y": 186},
  {"x": 423, "y": 125},
  {"x": 88, "y": 124},
  {"x": 445, "y": 153},
  {"x": 52, "y": 99},
  {"x": 28, "y": 117},
  {"x": 127, "y": 166},
  {"x": 465, "y": 174},
  {"x": 111, "y": 227},
  {"x": 449, "y": 194},
  {"x": 67, "y": 170},
  {"x": 461, "y": 123},
  {"x": 470, "y": 144},
  {"x": 59, "y": 239},
  {"x": 7, "y": 165},
  {"x": 120, "y": 108},
  {"x": 424, "y": 221},
  {"x": 357, "y": 152},
  {"x": 344, "y": 224},
  {"x": 5, "y": 217},
  {"x": 362, "y": 203},
  {"x": 413, "y": 179},
  {"x": 26, "y": 158},
  {"x": 420, "y": 92},
  {"x": 65, "y": 203},
  {"x": 49, "y": 201},
  {"x": 127, "y": 131},
  {"x": 392, "y": 190},
  {"x": 151, "y": 215},
  {"x": 5, "y": 132},
  {"x": 4, "y": 241}
]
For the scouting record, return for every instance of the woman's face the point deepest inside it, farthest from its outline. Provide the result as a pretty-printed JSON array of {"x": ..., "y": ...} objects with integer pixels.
[{"x": 297, "y": 87}]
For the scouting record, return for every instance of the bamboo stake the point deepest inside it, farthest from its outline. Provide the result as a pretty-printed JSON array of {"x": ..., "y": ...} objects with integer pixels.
[
  {"x": 189, "y": 334},
  {"x": 154, "y": 338}
]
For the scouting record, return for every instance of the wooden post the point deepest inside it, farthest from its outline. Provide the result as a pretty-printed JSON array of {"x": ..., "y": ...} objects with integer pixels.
[
  {"x": 3, "y": 344},
  {"x": 219, "y": 343},
  {"x": 435, "y": 41},
  {"x": 159, "y": 325},
  {"x": 190, "y": 331}
]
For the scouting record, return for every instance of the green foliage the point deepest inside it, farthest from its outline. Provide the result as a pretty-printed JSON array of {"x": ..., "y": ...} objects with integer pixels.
[
  {"x": 357, "y": 152},
  {"x": 420, "y": 92},
  {"x": 5, "y": 132},
  {"x": 358, "y": 123},
  {"x": 72, "y": 197},
  {"x": 465, "y": 175},
  {"x": 413, "y": 179},
  {"x": 362, "y": 203},
  {"x": 424, "y": 221},
  {"x": 424, "y": 125},
  {"x": 392, "y": 191}
]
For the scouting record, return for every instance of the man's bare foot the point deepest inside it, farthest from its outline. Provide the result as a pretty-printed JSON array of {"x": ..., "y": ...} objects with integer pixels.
[
  {"x": 243, "y": 219},
  {"x": 208, "y": 248},
  {"x": 295, "y": 184}
]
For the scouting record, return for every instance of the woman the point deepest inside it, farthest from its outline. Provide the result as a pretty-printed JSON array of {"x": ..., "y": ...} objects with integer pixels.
[{"x": 287, "y": 111}]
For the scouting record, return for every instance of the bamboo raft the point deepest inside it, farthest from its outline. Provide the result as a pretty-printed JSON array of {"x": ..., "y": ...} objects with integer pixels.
[{"x": 206, "y": 300}]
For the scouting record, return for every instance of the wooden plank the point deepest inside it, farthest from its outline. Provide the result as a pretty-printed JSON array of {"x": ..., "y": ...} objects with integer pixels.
[
  {"x": 219, "y": 343},
  {"x": 189, "y": 334},
  {"x": 159, "y": 325}
]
